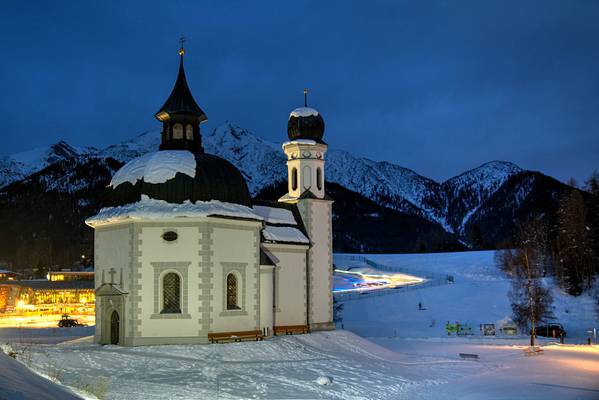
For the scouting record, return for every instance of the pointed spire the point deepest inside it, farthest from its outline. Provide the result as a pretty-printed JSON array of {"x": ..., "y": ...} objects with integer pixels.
[
  {"x": 182, "y": 49},
  {"x": 181, "y": 100}
]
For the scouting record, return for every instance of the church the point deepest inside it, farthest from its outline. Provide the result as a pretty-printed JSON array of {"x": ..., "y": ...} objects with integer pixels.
[{"x": 184, "y": 255}]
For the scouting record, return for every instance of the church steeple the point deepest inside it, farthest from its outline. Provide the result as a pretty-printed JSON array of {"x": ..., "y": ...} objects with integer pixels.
[{"x": 181, "y": 116}]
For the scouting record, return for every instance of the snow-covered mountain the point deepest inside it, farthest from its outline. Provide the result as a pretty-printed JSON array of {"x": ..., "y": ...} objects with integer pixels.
[
  {"x": 467, "y": 192},
  {"x": 18, "y": 166},
  {"x": 450, "y": 204},
  {"x": 47, "y": 193}
]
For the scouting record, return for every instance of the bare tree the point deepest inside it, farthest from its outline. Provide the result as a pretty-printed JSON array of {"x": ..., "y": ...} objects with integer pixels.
[{"x": 527, "y": 265}]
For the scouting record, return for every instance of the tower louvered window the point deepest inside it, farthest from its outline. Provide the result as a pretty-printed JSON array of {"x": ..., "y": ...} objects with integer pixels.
[{"x": 171, "y": 293}]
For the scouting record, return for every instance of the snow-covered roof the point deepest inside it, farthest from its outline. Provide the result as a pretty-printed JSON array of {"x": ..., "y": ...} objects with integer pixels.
[
  {"x": 299, "y": 141},
  {"x": 6, "y": 271},
  {"x": 156, "y": 167},
  {"x": 303, "y": 112},
  {"x": 274, "y": 215},
  {"x": 151, "y": 209},
  {"x": 285, "y": 234}
]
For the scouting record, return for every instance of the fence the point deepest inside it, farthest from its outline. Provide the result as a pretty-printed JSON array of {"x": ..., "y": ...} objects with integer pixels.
[{"x": 431, "y": 279}]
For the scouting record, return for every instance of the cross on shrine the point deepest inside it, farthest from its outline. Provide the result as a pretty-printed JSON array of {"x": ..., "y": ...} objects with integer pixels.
[{"x": 111, "y": 272}]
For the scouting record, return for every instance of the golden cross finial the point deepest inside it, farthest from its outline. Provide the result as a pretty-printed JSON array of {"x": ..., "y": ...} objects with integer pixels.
[
  {"x": 182, "y": 49},
  {"x": 306, "y": 97}
]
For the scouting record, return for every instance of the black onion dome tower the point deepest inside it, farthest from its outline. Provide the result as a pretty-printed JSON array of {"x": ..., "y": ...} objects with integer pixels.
[
  {"x": 215, "y": 178},
  {"x": 181, "y": 116},
  {"x": 305, "y": 123}
]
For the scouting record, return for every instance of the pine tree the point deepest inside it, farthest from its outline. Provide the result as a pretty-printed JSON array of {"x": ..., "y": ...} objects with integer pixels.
[
  {"x": 572, "y": 182},
  {"x": 574, "y": 244},
  {"x": 592, "y": 184}
]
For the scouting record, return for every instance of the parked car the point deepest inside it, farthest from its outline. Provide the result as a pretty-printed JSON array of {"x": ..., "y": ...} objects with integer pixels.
[{"x": 551, "y": 330}]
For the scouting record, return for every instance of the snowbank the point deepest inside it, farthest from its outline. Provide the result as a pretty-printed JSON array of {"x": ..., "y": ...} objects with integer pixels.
[
  {"x": 20, "y": 383},
  {"x": 156, "y": 167},
  {"x": 151, "y": 209}
]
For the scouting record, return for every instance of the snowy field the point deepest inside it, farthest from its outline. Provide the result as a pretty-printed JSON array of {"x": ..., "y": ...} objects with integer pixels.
[
  {"x": 478, "y": 296},
  {"x": 389, "y": 350}
]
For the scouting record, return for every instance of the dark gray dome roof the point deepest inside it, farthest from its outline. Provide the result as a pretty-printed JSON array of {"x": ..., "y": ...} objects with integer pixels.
[
  {"x": 215, "y": 179},
  {"x": 305, "y": 123}
]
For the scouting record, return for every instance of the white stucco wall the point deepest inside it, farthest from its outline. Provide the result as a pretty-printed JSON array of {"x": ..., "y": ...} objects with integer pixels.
[
  {"x": 316, "y": 215},
  {"x": 236, "y": 250},
  {"x": 290, "y": 281},
  {"x": 266, "y": 299},
  {"x": 159, "y": 257},
  {"x": 306, "y": 159},
  {"x": 205, "y": 250},
  {"x": 112, "y": 249}
]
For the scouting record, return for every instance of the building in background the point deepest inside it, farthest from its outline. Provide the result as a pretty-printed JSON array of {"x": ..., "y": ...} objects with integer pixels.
[{"x": 6, "y": 275}]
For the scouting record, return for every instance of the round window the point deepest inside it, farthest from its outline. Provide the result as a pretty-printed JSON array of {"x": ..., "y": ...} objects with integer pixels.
[{"x": 170, "y": 236}]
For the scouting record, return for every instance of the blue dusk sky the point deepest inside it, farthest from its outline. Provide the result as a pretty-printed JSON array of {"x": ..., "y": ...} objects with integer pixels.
[{"x": 436, "y": 86}]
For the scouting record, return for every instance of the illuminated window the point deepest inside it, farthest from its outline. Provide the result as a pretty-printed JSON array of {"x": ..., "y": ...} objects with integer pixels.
[
  {"x": 178, "y": 131},
  {"x": 188, "y": 132},
  {"x": 294, "y": 179},
  {"x": 171, "y": 294},
  {"x": 232, "y": 292}
]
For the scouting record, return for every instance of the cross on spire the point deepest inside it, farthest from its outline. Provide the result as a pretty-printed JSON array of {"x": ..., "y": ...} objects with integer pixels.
[
  {"x": 182, "y": 42},
  {"x": 306, "y": 97}
]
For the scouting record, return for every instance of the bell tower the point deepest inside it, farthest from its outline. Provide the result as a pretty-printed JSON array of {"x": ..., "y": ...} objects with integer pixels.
[
  {"x": 181, "y": 116},
  {"x": 305, "y": 152}
]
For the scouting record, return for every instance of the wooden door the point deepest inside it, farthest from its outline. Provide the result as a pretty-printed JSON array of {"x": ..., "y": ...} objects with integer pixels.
[{"x": 114, "y": 328}]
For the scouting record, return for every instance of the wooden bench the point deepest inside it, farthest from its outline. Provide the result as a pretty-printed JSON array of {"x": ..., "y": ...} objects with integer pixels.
[
  {"x": 468, "y": 356},
  {"x": 234, "y": 336},
  {"x": 291, "y": 329}
]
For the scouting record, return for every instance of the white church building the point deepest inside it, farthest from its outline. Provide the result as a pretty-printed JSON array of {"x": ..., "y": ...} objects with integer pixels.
[{"x": 183, "y": 254}]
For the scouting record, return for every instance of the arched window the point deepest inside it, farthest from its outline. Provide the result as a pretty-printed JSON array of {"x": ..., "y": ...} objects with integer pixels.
[
  {"x": 188, "y": 132},
  {"x": 171, "y": 294},
  {"x": 232, "y": 292},
  {"x": 294, "y": 179},
  {"x": 319, "y": 178},
  {"x": 178, "y": 131}
]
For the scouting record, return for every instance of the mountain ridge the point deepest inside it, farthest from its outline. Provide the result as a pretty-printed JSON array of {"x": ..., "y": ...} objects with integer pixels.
[{"x": 452, "y": 203}]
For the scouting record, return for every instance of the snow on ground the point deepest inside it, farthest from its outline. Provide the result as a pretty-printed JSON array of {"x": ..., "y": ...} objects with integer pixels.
[
  {"x": 283, "y": 367},
  {"x": 478, "y": 296},
  {"x": 401, "y": 356},
  {"x": 17, "y": 382}
]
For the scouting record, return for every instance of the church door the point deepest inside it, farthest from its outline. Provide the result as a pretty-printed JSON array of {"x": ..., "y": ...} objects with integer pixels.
[{"x": 114, "y": 328}]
